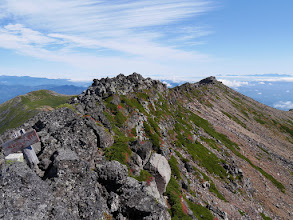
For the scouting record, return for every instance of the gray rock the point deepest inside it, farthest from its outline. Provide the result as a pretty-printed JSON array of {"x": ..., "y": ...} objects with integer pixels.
[
  {"x": 143, "y": 150},
  {"x": 189, "y": 167},
  {"x": 159, "y": 167},
  {"x": 112, "y": 174},
  {"x": 135, "y": 164},
  {"x": 208, "y": 80},
  {"x": 114, "y": 202},
  {"x": 218, "y": 212},
  {"x": 206, "y": 184}
]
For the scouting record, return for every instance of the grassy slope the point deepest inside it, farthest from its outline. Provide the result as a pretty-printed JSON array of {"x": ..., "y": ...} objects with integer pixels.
[
  {"x": 15, "y": 112},
  {"x": 209, "y": 155}
]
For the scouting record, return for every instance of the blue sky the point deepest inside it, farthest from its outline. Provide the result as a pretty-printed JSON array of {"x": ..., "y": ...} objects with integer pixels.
[{"x": 167, "y": 39}]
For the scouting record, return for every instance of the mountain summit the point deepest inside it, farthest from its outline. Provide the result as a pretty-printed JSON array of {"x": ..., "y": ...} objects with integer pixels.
[{"x": 130, "y": 148}]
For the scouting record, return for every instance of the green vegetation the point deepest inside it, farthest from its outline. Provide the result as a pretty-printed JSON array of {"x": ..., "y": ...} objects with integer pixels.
[
  {"x": 133, "y": 132},
  {"x": 264, "y": 173},
  {"x": 265, "y": 217},
  {"x": 18, "y": 110},
  {"x": 184, "y": 160},
  {"x": 143, "y": 96},
  {"x": 174, "y": 167},
  {"x": 241, "y": 212},
  {"x": 202, "y": 213},
  {"x": 207, "y": 159},
  {"x": 208, "y": 128},
  {"x": 213, "y": 187},
  {"x": 119, "y": 119},
  {"x": 133, "y": 103},
  {"x": 66, "y": 105},
  {"x": 198, "y": 152},
  {"x": 259, "y": 120},
  {"x": 154, "y": 125},
  {"x": 163, "y": 105},
  {"x": 287, "y": 129},
  {"x": 178, "y": 210},
  {"x": 41, "y": 98},
  {"x": 154, "y": 137},
  {"x": 211, "y": 142},
  {"x": 228, "y": 143},
  {"x": 143, "y": 176},
  {"x": 235, "y": 119},
  {"x": 10, "y": 162},
  {"x": 119, "y": 151}
]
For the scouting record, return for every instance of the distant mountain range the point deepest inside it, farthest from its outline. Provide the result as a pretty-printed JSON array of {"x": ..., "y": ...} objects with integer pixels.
[{"x": 12, "y": 86}]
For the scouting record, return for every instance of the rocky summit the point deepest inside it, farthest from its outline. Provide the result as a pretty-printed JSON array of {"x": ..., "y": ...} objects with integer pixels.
[{"x": 130, "y": 148}]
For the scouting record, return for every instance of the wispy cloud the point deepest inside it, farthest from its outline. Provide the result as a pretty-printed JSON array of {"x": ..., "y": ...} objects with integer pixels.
[
  {"x": 284, "y": 105},
  {"x": 132, "y": 31}
]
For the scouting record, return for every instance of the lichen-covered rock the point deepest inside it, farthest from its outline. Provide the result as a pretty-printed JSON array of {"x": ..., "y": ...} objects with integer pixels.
[
  {"x": 34, "y": 201},
  {"x": 70, "y": 196}
]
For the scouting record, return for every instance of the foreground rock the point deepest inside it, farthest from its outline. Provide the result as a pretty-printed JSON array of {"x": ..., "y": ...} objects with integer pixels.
[{"x": 73, "y": 180}]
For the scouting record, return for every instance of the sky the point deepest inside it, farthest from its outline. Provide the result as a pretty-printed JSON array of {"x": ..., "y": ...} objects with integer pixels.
[{"x": 165, "y": 39}]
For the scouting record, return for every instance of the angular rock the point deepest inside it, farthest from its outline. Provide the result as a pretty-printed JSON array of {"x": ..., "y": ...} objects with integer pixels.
[
  {"x": 135, "y": 164},
  {"x": 143, "y": 150}
]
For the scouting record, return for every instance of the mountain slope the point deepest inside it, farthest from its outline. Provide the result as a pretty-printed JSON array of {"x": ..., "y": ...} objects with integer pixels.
[
  {"x": 200, "y": 151},
  {"x": 16, "y": 111}
]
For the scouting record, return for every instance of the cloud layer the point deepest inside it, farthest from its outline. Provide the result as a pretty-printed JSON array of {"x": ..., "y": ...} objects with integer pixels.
[
  {"x": 284, "y": 105},
  {"x": 233, "y": 83}
]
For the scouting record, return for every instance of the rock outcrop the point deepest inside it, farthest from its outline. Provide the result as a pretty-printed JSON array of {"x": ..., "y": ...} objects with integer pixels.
[{"x": 130, "y": 148}]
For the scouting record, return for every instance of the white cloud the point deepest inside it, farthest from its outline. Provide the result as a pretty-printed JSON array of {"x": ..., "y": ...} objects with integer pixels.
[
  {"x": 168, "y": 84},
  {"x": 261, "y": 79},
  {"x": 101, "y": 15},
  {"x": 262, "y": 83},
  {"x": 279, "y": 79},
  {"x": 233, "y": 83},
  {"x": 284, "y": 105},
  {"x": 287, "y": 91},
  {"x": 114, "y": 31},
  {"x": 259, "y": 93}
]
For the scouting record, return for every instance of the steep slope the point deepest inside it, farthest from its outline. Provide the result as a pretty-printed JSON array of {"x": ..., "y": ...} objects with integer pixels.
[
  {"x": 16, "y": 111},
  {"x": 198, "y": 151}
]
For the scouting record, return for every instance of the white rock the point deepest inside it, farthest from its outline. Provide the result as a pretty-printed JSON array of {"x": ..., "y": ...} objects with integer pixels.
[
  {"x": 15, "y": 157},
  {"x": 160, "y": 169}
]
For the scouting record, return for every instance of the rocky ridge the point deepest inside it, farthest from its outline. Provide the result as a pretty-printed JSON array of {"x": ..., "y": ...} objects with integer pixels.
[{"x": 130, "y": 148}]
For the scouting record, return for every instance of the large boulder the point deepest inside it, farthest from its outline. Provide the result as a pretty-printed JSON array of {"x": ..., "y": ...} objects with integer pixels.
[
  {"x": 129, "y": 197},
  {"x": 159, "y": 167}
]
